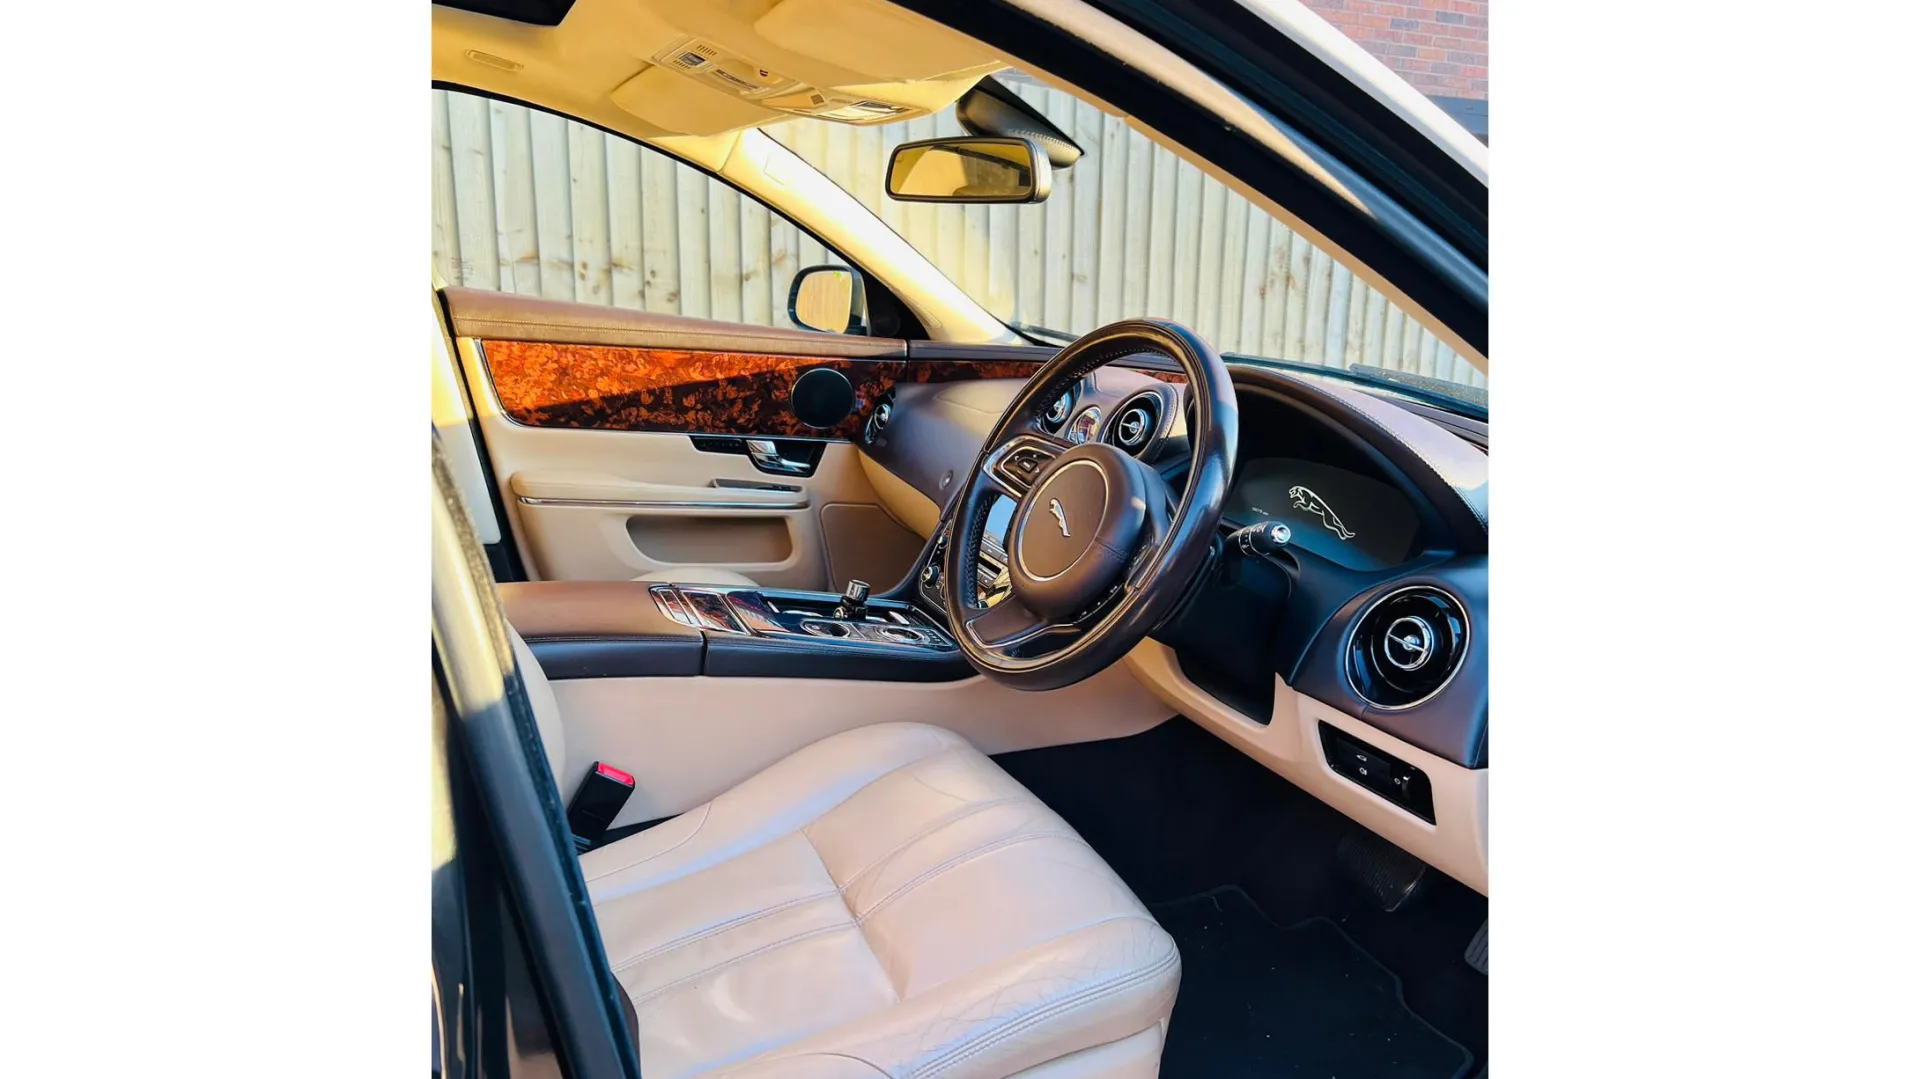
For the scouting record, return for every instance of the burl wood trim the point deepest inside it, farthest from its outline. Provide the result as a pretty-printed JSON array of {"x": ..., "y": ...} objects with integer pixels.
[{"x": 614, "y": 388}]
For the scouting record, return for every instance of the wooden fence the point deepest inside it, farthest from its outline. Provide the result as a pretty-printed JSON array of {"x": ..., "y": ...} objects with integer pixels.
[{"x": 527, "y": 202}]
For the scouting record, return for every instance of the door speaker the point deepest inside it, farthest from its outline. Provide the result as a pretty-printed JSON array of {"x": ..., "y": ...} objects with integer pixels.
[{"x": 822, "y": 397}]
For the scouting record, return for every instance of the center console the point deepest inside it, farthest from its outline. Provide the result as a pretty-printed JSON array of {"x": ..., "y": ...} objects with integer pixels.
[
  {"x": 814, "y": 617},
  {"x": 629, "y": 629}
]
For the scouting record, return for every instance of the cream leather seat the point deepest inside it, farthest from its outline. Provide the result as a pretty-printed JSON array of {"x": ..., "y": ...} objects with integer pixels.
[
  {"x": 885, "y": 902},
  {"x": 700, "y": 575}
]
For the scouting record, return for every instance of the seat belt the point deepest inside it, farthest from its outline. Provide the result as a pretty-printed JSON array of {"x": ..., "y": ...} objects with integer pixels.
[{"x": 596, "y": 803}]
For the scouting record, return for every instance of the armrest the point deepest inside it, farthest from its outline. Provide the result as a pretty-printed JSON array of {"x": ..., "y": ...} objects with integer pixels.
[{"x": 600, "y": 629}]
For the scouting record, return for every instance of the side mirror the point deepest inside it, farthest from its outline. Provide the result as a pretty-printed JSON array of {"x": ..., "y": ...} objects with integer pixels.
[
  {"x": 830, "y": 299},
  {"x": 969, "y": 170}
]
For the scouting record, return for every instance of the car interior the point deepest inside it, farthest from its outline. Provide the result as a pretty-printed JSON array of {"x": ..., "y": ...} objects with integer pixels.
[{"x": 925, "y": 697}]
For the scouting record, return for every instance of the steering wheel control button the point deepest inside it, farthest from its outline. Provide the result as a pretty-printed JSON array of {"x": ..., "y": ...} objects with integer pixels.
[{"x": 1406, "y": 646}]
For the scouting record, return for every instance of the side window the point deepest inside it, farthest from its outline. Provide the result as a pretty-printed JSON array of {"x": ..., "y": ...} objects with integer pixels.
[{"x": 528, "y": 202}]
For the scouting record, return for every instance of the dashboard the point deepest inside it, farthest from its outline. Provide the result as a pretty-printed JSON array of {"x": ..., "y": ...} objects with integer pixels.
[{"x": 1352, "y": 661}]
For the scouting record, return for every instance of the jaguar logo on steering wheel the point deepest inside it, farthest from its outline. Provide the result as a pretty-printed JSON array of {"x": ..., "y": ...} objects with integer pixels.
[{"x": 1059, "y": 514}]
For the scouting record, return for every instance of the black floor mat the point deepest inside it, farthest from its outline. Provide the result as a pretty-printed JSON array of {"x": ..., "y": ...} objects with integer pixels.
[{"x": 1257, "y": 999}]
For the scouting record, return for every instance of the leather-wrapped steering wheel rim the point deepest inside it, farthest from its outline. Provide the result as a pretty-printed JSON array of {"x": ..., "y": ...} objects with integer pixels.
[{"x": 1038, "y": 637}]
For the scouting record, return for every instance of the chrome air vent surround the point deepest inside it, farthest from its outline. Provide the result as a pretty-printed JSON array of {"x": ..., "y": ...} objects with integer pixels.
[
  {"x": 1136, "y": 422},
  {"x": 1406, "y": 646},
  {"x": 1055, "y": 417}
]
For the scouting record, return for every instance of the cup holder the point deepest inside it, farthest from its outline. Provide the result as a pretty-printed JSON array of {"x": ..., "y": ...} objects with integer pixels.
[{"x": 821, "y": 628}]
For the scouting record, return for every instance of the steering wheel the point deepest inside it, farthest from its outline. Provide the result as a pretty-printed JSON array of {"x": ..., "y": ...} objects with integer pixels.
[{"x": 1094, "y": 557}]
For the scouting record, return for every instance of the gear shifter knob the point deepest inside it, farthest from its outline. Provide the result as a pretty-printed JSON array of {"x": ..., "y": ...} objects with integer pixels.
[{"x": 853, "y": 601}]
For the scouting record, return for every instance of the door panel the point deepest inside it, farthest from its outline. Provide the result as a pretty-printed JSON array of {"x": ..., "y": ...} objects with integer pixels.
[{"x": 625, "y": 453}]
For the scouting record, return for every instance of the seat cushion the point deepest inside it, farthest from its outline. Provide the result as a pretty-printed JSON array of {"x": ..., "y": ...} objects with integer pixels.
[
  {"x": 886, "y": 901},
  {"x": 700, "y": 575}
]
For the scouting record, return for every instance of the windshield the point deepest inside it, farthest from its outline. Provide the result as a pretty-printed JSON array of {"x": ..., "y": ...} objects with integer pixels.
[{"x": 1131, "y": 230}]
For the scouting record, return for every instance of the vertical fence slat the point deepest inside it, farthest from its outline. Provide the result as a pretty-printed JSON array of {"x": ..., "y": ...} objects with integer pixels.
[
  {"x": 626, "y": 243},
  {"x": 470, "y": 140},
  {"x": 1108, "y": 294},
  {"x": 1160, "y": 234},
  {"x": 756, "y": 257},
  {"x": 1273, "y": 292},
  {"x": 1136, "y": 237},
  {"x": 446, "y": 228},
  {"x": 1057, "y": 310},
  {"x": 1088, "y": 123},
  {"x": 690, "y": 206},
  {"x": 553, "y": 205},
  {"x": 1313, "y": 341},
  {"x": 513, "y": 194},
  {"x": 723, "y": 252},
  {"x": 592, "y": 228},
  {"x": 659, "y": 233},
  {"x": 1233, "y": 258},
  {"x": 783, "y": 259},
  {"x": 1213, "y": 224},
  {"x": 1255, "y": 281},
  {"x": 1186, "y": 253}
]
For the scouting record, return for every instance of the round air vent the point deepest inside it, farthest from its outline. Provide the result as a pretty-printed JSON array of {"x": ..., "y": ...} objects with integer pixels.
[
  {"x": 1136, "y": 423},
  {"x": 877, "y": 423},
  {"x": 1056, "y": 413},
  {"x": 1406, "y": 646}
]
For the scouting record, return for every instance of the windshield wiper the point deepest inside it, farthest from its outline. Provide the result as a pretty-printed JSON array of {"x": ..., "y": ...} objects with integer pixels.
[
  {"x": 1042, "y": 331},
  {"x": 1451, "y": 396}
]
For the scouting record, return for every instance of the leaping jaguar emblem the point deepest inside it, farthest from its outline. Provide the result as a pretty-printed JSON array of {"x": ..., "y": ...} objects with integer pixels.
[
  {"x": 1053, "y": 506},
  {"x": 1305, "y": 499}
]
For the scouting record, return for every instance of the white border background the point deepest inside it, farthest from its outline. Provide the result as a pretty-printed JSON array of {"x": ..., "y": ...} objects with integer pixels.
[{"x": 215, "y": 779}]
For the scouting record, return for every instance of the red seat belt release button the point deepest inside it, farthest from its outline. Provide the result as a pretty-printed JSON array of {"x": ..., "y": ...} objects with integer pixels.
[{"x": 597, "y": 802}]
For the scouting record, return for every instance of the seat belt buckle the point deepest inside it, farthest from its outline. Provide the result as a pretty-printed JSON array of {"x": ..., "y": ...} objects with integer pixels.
[{"x": 596, "y": 803}]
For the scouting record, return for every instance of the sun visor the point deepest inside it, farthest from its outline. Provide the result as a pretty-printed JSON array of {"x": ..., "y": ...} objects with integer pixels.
[{"x": 870, "y": 37}]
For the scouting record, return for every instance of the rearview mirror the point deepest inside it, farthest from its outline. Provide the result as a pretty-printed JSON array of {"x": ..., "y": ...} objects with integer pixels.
[
  {"x": 969, "y": 170},
  {"x": 830, "y": 299}
]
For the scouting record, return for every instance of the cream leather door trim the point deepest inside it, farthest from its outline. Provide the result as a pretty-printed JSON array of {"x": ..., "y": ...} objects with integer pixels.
[
  {"x": 688, "y": 739},
  {"x": 574, "y": 539},
  {"x": 1289, "y": 744}
]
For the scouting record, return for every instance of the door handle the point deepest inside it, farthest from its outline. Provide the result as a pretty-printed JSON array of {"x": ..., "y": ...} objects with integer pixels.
[{"x": 767, "y": 456}]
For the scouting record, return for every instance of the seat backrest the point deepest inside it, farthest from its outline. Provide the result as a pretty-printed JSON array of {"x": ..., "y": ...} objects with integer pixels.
[{"x": 546, "y": 710}]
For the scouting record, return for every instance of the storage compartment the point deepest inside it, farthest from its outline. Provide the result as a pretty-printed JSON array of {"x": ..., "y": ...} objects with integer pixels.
[
  {"x": 711, "y": 541},
  {"x": 1389, "y": 777}
]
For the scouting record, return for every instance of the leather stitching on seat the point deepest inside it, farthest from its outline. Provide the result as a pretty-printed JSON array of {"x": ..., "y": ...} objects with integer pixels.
[
  {"x": 705, "y": 812},
  {"x": 1088, "y": 995},
  {"x": 951, "y": 819},
  {"x": 712, "y": 930},
  {"x": 961, "y": 859},
  {"x": 743, "y": 957}
]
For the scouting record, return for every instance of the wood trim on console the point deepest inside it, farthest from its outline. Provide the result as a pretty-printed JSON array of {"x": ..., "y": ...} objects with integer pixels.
[{"x": 613, "y": 388}]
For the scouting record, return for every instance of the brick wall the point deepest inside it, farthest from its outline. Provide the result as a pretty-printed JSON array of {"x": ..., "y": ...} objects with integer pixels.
[{"x": 1438, "y": 46}]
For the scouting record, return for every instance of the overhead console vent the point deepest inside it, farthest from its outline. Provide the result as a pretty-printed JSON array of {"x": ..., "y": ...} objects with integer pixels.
[
  {"x": 1406, "y": 647},
  {"x": 1136, "y": 423}
]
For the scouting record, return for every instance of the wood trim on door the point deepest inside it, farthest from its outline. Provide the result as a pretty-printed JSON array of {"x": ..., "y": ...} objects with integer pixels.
[{"x": 614, "y": 388}]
